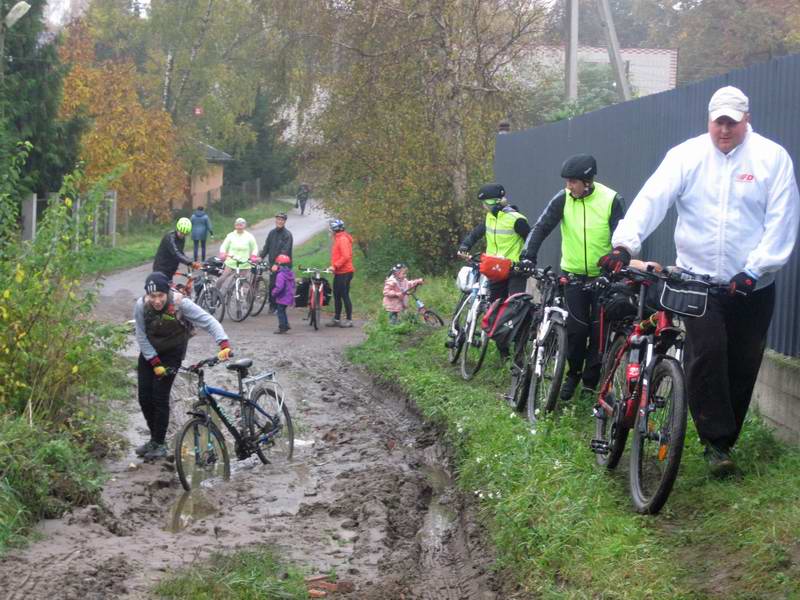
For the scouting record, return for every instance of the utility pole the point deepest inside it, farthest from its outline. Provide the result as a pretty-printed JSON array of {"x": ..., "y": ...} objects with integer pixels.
[
  {"x": 614, "y": 55},
  {"x": 573, "y": 12}
]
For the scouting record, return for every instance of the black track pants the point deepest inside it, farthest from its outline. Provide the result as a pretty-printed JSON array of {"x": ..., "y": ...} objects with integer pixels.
[
  {"x": 583, "y": 334},
  {"x": 341, "y": 295},
  {"x": 154, "y": 393},
  {"x": 724, "y": 349}
]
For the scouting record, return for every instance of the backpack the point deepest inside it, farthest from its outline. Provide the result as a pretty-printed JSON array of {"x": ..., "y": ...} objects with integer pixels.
[{"x": 505, "y": 317}]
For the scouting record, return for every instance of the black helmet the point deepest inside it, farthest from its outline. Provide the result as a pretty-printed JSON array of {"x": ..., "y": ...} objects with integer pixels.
[
  {"x": 580, "y": 166},
  {"x": 492, "y": 191}
]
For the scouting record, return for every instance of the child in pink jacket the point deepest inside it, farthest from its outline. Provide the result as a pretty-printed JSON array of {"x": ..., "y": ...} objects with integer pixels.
[{"x": 395, "y": 291}]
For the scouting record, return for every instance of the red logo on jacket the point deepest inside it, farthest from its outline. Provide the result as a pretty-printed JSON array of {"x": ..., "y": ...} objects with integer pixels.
[{"x": 745, "y": 177}]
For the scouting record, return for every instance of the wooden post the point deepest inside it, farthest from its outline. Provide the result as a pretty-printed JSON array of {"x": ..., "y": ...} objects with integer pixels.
[
  {"x": 112, "y": 217},
  {"x": 614, "y": 54}
]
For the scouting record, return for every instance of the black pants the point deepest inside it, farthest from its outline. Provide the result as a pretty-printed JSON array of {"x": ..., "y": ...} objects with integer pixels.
[
  {"x": 341, "y": 295},
  {"x": 583, "y": 334},
  {"x": 503, "y": 289},
  {"x": 724, "y": 349},
  {"x": 154, "y": 393},
  {"x": 202, "y": 245},
  {"x": 301, "y": 204}
]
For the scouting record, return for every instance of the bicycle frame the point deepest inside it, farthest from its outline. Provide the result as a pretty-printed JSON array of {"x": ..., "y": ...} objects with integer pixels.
[{"x": 478, "y": 294}]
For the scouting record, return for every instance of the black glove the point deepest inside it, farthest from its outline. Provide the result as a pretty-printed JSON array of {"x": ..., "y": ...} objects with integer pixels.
[
  {"x": 742, "y": 284},
  {"x": 527, "y": 265},
  {"x": 618, "y": 258}
]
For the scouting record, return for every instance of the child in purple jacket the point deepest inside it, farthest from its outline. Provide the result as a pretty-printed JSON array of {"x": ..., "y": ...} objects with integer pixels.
[{"x": 283, "y": 293}]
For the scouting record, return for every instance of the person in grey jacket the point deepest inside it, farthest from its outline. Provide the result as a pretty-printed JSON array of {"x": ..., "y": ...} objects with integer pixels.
[
  {"x": 279, "y": 242},
  {"x": 164, "y": 321},
  {"x": 201, "y": 229}
]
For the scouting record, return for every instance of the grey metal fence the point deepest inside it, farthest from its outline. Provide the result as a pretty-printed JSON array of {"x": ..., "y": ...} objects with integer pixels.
[{"x": 630, "y": 140}]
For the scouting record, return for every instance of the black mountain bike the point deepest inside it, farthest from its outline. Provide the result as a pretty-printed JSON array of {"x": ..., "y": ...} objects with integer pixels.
[{"x": 264, "y": 425}]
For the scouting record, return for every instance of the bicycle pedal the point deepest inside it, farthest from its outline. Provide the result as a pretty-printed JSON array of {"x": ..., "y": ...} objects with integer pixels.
[{"x": 599, "y": 446}]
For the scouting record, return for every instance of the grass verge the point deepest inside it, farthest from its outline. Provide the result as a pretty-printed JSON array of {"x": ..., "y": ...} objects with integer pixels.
[
  {"x": 564, "y": 526},
  {"x": 139, "y": 246},
  {"x": 246, "y": 574}
]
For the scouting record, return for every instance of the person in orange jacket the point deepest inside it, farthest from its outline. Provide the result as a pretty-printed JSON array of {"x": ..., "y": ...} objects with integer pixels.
[{"x": 342, "y": 265}]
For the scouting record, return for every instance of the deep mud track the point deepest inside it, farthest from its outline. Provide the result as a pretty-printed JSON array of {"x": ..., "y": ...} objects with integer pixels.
[{"x": 368, "y": 495}]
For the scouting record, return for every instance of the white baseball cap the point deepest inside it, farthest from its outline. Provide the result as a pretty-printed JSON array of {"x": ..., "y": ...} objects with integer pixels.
[{"x": 730, "y": 102}]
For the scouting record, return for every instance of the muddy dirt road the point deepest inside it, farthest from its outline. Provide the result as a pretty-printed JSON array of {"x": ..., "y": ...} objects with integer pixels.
[{"x": 368, "y": 494}]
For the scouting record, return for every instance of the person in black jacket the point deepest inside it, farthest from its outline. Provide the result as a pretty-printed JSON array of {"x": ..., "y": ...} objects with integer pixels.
[
  {"x": 170, "y": 251},
  {"x": 588, "y": 213},
  {"x": 279, "y": 241}
]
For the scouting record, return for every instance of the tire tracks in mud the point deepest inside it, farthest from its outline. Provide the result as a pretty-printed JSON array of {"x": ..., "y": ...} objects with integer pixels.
[{"x": 369, "y": 495}]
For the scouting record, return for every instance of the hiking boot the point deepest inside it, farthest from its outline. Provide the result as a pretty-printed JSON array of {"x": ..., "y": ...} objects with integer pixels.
[
  {"x": 333, "y": 323},
  {"x": 569, "y": 385},
  {"x": 145, "y": 448},
  {"x": 156, "y": 452},
  {"x": 280, "y": 331},
  {"x": 719, "y": 461},
  {"x": 347, "y": 323}
]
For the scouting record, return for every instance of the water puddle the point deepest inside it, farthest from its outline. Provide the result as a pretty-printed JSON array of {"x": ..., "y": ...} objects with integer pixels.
[
  {"x": 440, "y": 517},
  {"x": 190, "y": 508}
]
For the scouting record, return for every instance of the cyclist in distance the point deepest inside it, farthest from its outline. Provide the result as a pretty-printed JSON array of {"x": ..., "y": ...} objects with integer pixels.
[
  {"x": 170, "y": 251},
  {"x": 738, "y": 212},
  {"x": 505, "y": 230},
  {"x": 588, "y": 213},
  {"x": 239, "y": 245},
  {"x": 342, "y": 265},
  {"x": 279, "y": 241},
  {"x": 164, "y": 321}
]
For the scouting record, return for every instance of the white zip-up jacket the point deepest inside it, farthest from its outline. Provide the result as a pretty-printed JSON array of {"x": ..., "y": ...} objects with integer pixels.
[{"x": 736, "y": 212}]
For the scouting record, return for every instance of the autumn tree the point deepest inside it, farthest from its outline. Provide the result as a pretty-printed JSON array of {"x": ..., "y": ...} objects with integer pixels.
[{"x": 123, "y": 133}]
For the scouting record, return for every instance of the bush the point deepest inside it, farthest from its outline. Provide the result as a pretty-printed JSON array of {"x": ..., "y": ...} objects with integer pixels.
[
  {"x": 41, "y": 476},
  {"x": 386, "y": 251}
]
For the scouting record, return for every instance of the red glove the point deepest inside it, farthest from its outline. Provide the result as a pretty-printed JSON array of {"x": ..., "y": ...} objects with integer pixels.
[
  {"x": 255, "y": 258},
  {"x": 618, "y": 258},
  {"x": 225, "y": 350}
]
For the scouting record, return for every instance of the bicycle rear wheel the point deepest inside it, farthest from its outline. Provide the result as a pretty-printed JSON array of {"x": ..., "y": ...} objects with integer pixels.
[
  {"x": 210, "y": 300},
  {"x": 544, "y": 388},
  {"x": 431, "y": 319},
  {"x": 658, "y": 437},
  {"x": 237, "y": 300},
  {"x": 521, "y": 369},
  {"x": 260, "y": 295},
  {"x": 269, "y": 425},
  {"x": 200, "y": 453},
  {"x": 456, "y": 334},
  {"x": 610, "y": 430},
  {"x": 476, "y": 342}
]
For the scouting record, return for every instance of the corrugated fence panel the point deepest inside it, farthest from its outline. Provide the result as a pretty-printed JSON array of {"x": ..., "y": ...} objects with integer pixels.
[{"x": 630, "y": 140}]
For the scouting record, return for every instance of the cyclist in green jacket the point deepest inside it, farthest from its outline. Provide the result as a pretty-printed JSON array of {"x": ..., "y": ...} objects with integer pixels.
[
  {"x": 588, "y": 212},
  {"x": 505, "y": 229}
]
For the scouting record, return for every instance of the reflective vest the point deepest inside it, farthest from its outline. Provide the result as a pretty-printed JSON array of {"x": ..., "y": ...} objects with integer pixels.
[
  {"x": 501, "y": 239},
  {"x": 585, "y": 232}
]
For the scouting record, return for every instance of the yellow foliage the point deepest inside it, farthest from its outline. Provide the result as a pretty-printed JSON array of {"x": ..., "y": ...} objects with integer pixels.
[{"x": 124, "y": 133}]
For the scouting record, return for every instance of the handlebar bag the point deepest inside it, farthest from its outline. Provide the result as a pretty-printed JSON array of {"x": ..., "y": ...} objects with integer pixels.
[
  {"x": 495, "y": 268},
  {"x": 686, "y": 298},
  {"x": 506, "y": 316}
]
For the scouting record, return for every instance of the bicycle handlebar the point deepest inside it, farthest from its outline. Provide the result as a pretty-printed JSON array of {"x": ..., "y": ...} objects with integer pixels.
[{"x": 313, "y": 270}]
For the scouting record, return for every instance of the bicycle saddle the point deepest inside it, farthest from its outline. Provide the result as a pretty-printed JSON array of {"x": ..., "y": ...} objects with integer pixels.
[{"x": 240, "y": 365}]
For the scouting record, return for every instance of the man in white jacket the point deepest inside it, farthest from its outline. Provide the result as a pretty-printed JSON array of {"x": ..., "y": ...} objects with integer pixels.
[{"x": 738, "y": 213}]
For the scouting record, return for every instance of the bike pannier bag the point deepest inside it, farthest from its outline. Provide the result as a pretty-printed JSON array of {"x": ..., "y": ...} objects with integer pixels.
[
  {"x": 301, "y": 292},
  {"x": 496, "y": 268},
  {"x": 686, "y": 298},
  {"x": 466, "y": 279},
  {"x": 505, "y": 317}
]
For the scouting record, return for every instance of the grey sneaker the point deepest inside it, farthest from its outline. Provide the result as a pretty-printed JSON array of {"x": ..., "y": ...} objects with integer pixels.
[
  {"x": 719, "y": 461},
  {"x": 145, "y": 448},
  {"x": 333, "y": 323},
  {"x": 347, "y": 323},
  {"x": 156, "y": 452}
]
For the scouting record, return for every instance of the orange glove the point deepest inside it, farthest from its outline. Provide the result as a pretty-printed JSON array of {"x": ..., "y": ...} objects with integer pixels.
[
  {"x": 225, "y": 351},
  {"x": 196, "y": 265},
  {"x": 160, "y": 371}
]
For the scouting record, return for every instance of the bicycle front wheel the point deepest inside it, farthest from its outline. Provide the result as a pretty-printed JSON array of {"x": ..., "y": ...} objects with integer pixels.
[
  {"x": 269, "y": 425},
  {"x": 431, "y": 319},
  {"x": 455, "y": 337},
  {"x": 610, "y": 429},
  {"x": 549, "y": 362},
  {"x": 200, "y": 453},
  {"x": 260, "y": 295},
  {"x": 476, "y": 342},
  {"x": 318, "y": 307},
  {"x": 211, "y": 301},
  {"x": 237, "y": 301},
  {"x": 521, "y": 370},
  {"x": 312, "y": 308},
  {"x": 658, "y": 437}
]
